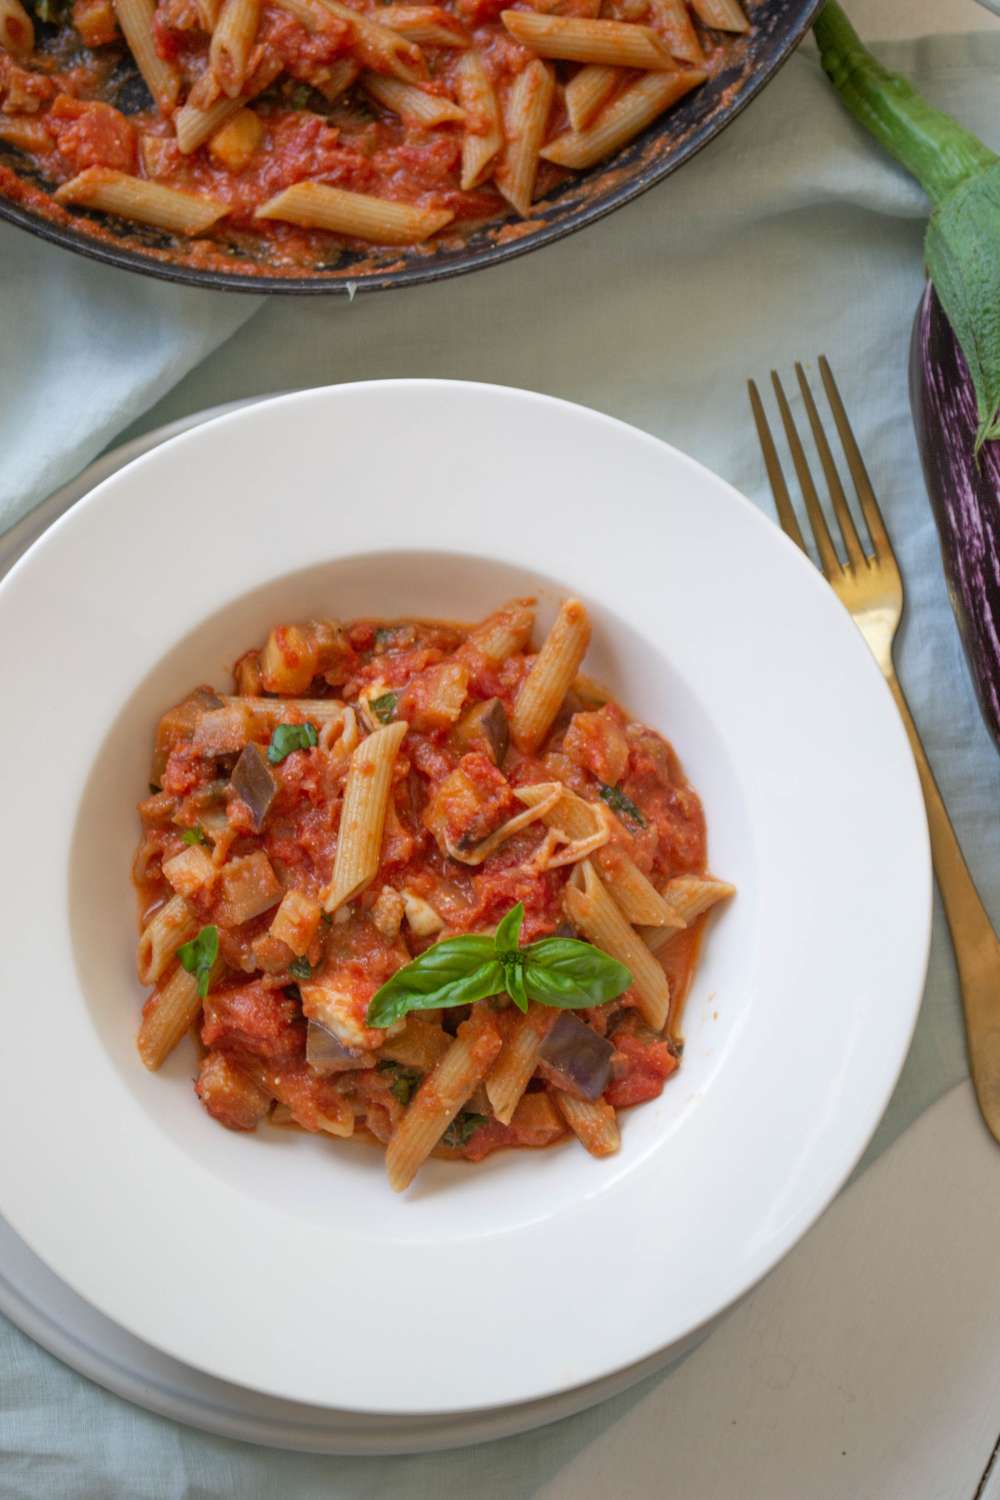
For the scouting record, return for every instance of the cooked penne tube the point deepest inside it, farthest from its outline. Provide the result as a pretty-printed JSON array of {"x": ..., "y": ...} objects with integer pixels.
[
  {"x": 17, "y": 32},
  {"x": 232, "y": 39},
  {"x": 413, "y": 105},
  {"x": 721, "y": 15},
  {"x": 531, "y": 814},
  {"x": 147, "y": 202},
  {"x": 441, "y": 1096},
  {"x": 594, "y": 912},
  {"x": 379, "y": 48},
  {"x": 634, "y": 893},
  {"x": 593, "y": 1122},
  {"x": 268, "y": 713},
  {"x": 582, "y": 826},
  {"x": 635, "y": 107},
  {"x": 673, "y": 19},
  {"x": 483, "y": 137},
  {"x": 511, "y": 1073},
  {"x": 588, "y": 91},
  {"x": 362, "y": 818},
  {"x": 502, "y": 634},
  {"x": 208, "y": 13},
  {"x": 316, "y": 206},
  {"x": 525, "y": 121},
  {"x": 618, "y": 44},
  {"x": 162, "y": 78},
  {"x": 169, "y": 1013},
  {"x": 427, "y": 25},
  {"x": 551, "y": 676},
  {"x": 688, "y": 896},
  {"x": 163, "y": 934},
  {"x": 25, "y": 133},
  {"x": 342, "y": 74}
]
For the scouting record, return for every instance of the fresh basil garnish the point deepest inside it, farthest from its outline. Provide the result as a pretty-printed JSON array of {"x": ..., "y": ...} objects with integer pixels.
[
  {"x": 199, "y": 955},
  {"x": 301, "y": 968},
  {"x": 620, "y": 804},
  {"x": 195, "y": 835},
  {"x": 384, "y": 707},
  {"x": 462, "y": 1128},
  {"x": 562, "y": 972},
  {"x": 289, "y": 737},
  {"x": 405, "y": 1081}
]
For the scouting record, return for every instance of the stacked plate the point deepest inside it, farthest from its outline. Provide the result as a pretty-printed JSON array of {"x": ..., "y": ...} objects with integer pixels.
[{"x": 265, "y": 1289}]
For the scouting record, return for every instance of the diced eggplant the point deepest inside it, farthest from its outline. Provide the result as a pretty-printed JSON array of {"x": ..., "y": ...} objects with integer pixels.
[
  {"x": 326, "y": 1054},
  {"x": 575, "y": 1058},
  {"x": 177, "y": 725},
  {"x": 253, "y": 782},
  {"x": 485, "y": 727}
]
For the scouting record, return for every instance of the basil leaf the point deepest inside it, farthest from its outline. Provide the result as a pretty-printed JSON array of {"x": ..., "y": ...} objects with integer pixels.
[
  {"x": 620, "y": 804},
  {"x": 301, "y": 968},
  {"x": 458, "y": 971},
  {"x": 384, "y": 707},
  {"x": 289, "y": 737},
  {"x": 199, "y": 955},
  {"x": 568, "y": 973},
  {"x": 508, "y": 934},
  {"x": 513, "y": 976},
  {"x": 194, "y": 835},
  {"x": 462, "y": 1128}
]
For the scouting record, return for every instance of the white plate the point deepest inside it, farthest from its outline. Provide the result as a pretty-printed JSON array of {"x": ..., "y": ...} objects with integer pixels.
[{"x": 284, "y": 1265}]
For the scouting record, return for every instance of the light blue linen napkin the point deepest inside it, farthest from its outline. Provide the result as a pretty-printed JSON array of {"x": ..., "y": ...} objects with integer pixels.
[{"x": 791, "y": 235}]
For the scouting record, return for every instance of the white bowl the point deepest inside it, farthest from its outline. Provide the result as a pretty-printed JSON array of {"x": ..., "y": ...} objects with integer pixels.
[{"x": 284, "y": 1263}]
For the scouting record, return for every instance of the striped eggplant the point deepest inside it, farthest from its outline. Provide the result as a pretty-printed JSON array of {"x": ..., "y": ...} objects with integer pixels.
[{"x": 964, "y": 490}]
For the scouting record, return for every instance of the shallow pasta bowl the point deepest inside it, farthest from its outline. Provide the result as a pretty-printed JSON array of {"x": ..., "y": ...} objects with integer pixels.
[
  {"x": 746, "y": 65},
  {"x": 285, "y": 1264}
]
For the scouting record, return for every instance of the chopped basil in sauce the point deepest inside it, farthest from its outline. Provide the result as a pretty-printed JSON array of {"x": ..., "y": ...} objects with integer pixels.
[
  {"x": 620, "y": 804},
  {"x": 384, "y": 707},
  {"x": 289, "y": 737}
]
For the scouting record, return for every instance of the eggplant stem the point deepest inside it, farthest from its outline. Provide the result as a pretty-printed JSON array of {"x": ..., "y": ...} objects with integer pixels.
[{"x": 932, "y": 146}]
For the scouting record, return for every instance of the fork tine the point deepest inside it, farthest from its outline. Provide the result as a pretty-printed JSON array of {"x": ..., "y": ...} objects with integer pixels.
[
  {"x": 829, "y": 561},
  {"x": 779, "y": 489},
  {"x": 852, "y": 543},
  {"x": 856, "y": 464}
]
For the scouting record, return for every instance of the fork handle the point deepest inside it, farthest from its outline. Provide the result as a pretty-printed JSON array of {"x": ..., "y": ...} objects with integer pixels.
[{"x": 977, "y": 948}]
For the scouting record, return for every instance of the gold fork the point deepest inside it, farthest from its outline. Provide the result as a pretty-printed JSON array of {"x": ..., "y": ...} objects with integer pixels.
[{"x": 871, "y": 589}]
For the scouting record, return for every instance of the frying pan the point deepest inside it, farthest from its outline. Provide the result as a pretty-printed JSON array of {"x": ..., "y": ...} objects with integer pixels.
[{"x": 748, "y": 63}]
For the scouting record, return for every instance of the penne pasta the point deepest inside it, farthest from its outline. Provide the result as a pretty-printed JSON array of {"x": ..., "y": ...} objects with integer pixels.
[
  {"x": 673, "y": 19},
  {"x": 551, "y": 676},
  {"x": 688, "y": 896},
  {"x": 617, "y": 44},
  {"x": 593, "y": 911},
  {"x": 413, "y": 105},
  {"x": 169, "y": 1013},
  {"x": 525, "y": 121},
  {"x": 427, "y": 25},
  {"x": 342, "y": 74},
  {"x": 314, "y": 205},
  {"x": 146, "y": 202},
  {"x": 635, "y": 107},
  {"x": 721, "y": 15},
  {"x": 581, "y": 827},
  {"x": 378, "y": 47},
  {"x": 512, "y": 1071},
  {"x": 362, "y": 818},
  {"x": 17, "y": 31},
  {"x": 593, "y": 1122},
  {"x": 483, "y": 137},
  {"x": 162, "y": 78},
  {"x": 588, "y": 91},
  {"x": 441, "y": 1096},
  {"x": 208, "y": 13},
  {"x": 25, "y": 133},
  {"x": 175, "y": 923},
  {"x": 634, "y": 893},
  {"x": 232, "y": 40}
]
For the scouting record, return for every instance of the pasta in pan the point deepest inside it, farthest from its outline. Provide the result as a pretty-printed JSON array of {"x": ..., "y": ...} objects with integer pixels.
[
  {"x": 306, "y": 125},
  {"x": 422, "y": 885}
]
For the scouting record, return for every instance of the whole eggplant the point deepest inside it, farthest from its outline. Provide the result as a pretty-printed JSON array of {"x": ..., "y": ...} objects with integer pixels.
[{"x": 964, "y": 490}]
